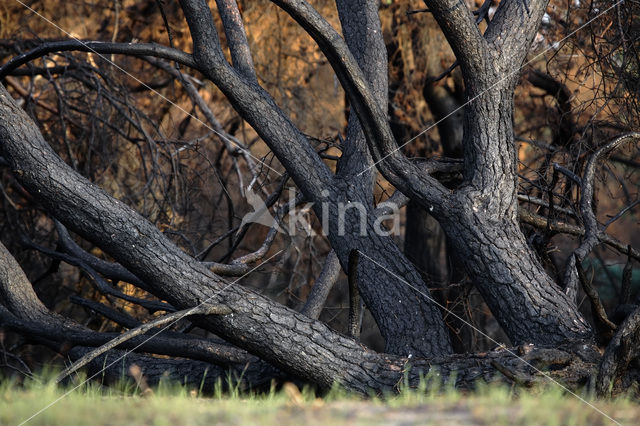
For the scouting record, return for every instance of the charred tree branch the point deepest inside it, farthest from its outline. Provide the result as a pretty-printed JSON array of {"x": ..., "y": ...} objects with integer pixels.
[
  {"x": 236, "y": 38},
  {"x": 593, "y": 230},
  {"x": 322, "y": 286},
  {"x": 622, "y": 349},
  {"x": 101, "y": 47},
  {"x": 204, "y": 309}
]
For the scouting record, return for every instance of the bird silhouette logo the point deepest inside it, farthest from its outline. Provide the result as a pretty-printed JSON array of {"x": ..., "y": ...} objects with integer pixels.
[{"x": 260, "y": 213}]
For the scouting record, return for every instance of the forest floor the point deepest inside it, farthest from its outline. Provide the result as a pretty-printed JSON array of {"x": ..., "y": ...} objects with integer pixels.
[{"x": 44, "y": 403}]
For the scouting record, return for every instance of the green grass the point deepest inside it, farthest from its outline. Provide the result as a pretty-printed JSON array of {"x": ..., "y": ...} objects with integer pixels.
[{"x": 170, "y": 404}]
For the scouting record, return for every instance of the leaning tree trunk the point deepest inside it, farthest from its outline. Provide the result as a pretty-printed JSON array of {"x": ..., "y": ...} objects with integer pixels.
[
  {"x": 300, "y": 346},
  {"x": 290, "y": 341}
]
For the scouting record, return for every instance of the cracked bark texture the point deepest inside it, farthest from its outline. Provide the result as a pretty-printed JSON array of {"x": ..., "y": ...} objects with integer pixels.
[
  {"x": 302, "y": 347},
  {"x": 480, "y": 216},
  {"x": 527, "y": 303},
  {"x": 413, "y": 326}
]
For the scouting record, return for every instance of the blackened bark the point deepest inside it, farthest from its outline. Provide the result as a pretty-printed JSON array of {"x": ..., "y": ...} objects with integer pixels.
[
  {"x": 115, "y": 365},
  {"x": 412, "y": 325},
  {"x": 322, "y": 286},
  {"x": 305, "y": 347},
  {"x": 236, "y": 38},
  {"x": 481, "y": 216},
  {"x": 359, "y": 19},
  {"x": 622, "y": 349},
  {"x": 288, "y": 340},
  {"x": 425, "y": 247},
  {"x": 298, "y": 157},
  {"x": 483, "y": 228},
  {"x": 409, "y": 322},
  {"x": 132, "y": 49}
]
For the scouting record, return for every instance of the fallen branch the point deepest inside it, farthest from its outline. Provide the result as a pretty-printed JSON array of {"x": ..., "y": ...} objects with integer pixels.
[{"x": 204, "y": 309}]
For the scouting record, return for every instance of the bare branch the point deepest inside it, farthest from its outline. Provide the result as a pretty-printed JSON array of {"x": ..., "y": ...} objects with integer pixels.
[
  {"x": 233, "y": 145},
  {"x": 256, "y": 106},
  {"x": 120, "y": 318},
  {"x": 29, "y": 316},
  {"x": 236, "y": 38},
  {"x": 540, "y": 202},
  {"x": 203, "y": 309},
  {"x": 130, "y": 49},
  {"x": 401, "y": 172},
  {"x": 322, "y": 286},
  {"x": 568, "y": 173},
  {"x": 556, "y": 226},
  {"x": 593, "y": 230},
  {"x": 620, "y": 214},
  {"x": 111, "y": 270},
  {"x": 100, "y": 283},
  {"x": 604, "y": 325}
]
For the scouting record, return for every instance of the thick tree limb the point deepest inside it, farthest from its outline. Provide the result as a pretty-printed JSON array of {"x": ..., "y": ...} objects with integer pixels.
[
  {"x": 16, "y": 292},
  {"x": 460, "y": 29},
  {"x": 513, "y": 28},
  {"x": 115, "y": 365},
  {"x": 28, "y": 316},
  {"x": 385, "y": 372},
  {"x": 362, "y": 31},
  {"x": 236, "y": 38},
  {"x": 277, "y": 334}
]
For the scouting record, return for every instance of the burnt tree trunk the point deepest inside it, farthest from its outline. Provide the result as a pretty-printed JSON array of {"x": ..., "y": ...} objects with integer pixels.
[
  {"x": 483, "y": 227},
  {"x": 302, "y": 347},
  {"x": 480, "y": 217},
  {"x": 412, "y": 327}
]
